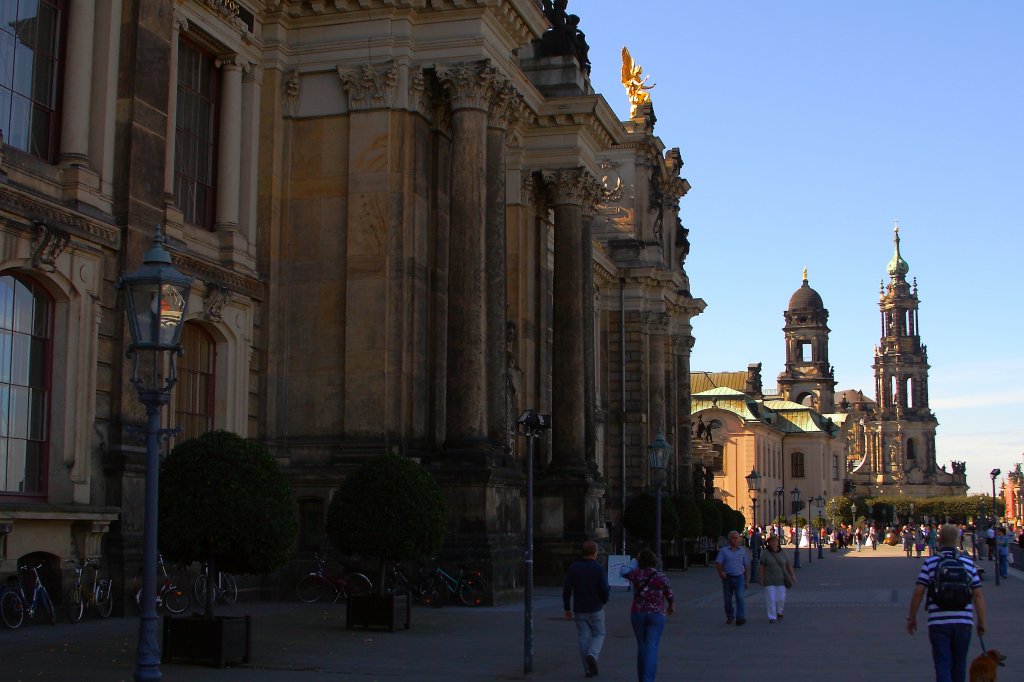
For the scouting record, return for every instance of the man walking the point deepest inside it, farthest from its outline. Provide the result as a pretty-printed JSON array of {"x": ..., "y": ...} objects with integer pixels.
[
  {"x": 732, "y": 564},
  {"x": 954, "y": 604},
  {"x": 586, "y": 582}
]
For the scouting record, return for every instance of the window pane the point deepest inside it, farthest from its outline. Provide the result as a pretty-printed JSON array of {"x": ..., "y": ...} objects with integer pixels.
[
  {"x": 3, "y": 465},
  {"x": 19, "y": 410},
  {"x": 7, "y": 302},
  {"x": 15, "y": 466},
  {"x": 5, "y": 397},
  {"x": 21, "y": 352},
  {"x": 37, "y": 416},
  {"x": 33, "y": 468},
  {"x": 40, "y": 315},
  {"x": 7, "y": 43},
  {"x": 6, "y": 343},
  {"x": 24, "y": 64},
  {"x": 20, "y": 108}
]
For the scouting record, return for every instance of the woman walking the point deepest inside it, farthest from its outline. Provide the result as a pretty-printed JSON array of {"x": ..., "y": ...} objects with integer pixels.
[
  {"x": 776, "y": 575},
  {"x": 652, "y": 601}
]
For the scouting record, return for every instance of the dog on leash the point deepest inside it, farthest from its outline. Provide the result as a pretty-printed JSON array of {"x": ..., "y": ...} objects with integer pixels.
[{"x": 983, "y": 668}]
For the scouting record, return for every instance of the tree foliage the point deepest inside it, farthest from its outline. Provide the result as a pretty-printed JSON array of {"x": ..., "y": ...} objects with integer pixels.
[
  {"x": 225, "y": 500},
  {"x": 640, "y": 515},
  {"x": 690, "y": 522},
  {"x": 711, "y": 518},
  {"x": 389, "y": 508}
]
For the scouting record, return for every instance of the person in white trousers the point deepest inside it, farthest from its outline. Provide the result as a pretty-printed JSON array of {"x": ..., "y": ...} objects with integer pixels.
[{"x": 776, "y": 572}]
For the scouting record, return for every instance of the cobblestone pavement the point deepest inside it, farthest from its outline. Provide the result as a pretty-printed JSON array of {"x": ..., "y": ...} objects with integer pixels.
[{"x": 844, "y": 621}]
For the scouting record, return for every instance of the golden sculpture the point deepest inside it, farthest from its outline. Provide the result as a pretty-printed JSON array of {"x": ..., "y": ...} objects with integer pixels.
[{"x": 636, "y": 87}]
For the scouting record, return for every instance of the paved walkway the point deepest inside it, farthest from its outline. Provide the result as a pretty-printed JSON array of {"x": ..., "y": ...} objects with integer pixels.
[{"x": 844, "y": 618}]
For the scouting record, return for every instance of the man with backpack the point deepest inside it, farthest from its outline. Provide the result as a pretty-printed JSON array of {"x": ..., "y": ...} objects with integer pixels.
[{"x": 949, "y": 582}]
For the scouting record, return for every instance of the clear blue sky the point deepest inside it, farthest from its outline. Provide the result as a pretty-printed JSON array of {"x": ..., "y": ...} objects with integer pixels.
[{"x": 806, "y": 127}]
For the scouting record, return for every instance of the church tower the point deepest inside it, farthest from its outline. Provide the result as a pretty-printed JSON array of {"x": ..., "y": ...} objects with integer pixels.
[
  {"x": 906, "y": 425},
  {"x": 808, "y": 378}
]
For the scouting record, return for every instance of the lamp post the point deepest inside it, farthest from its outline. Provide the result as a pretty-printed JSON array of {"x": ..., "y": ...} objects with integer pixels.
[
  {"x": 994, "y": 474},
  {"x": 779, "y": 494},
  {"x": 753, "y": 480},
  {"x": 657, "y": 459},
  {"x": 795, "y": 497},
  {"x": 530, "y": 424},
  {"x": 156, "y": 299},
  {"x": 819, "y": 503},
  {"x": 853, "y": 518}
]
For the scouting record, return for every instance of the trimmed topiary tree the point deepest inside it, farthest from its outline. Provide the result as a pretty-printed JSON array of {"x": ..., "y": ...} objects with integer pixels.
[
  {"x": 225, "y": 501},
  {"x": 389, "y": 508},
  {"x": 690, "y": 522},
  {"x": 639, "y": 518},
  {"x": 711, "y": 518}
]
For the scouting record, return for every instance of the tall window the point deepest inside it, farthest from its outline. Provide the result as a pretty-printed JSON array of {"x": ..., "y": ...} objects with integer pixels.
[
  {"x": 835, "y": 467},
  {"x": 30, "y": 47},
  {"x": 194, "y": 394},
  {"x": 798, "y": 465},
  {"x": 195, "y": 141},
  {"x": 25, "y": 333}
]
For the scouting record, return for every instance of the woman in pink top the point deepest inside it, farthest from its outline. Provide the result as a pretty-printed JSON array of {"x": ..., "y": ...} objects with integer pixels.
[{"x": 652, "y": 601}]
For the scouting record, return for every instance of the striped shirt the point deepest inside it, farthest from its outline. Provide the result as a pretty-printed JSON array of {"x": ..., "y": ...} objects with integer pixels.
[{"x": 937, "y": 616}]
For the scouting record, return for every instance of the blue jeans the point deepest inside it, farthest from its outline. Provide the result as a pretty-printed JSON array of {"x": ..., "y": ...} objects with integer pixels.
[
  {"x": 949, "y": 651},
  {"x": 733, "y": 585},
  {"x": 590, "y": 628},
  {"x": 1004, "y": 565},
  {"x": 648, "y": 628}
]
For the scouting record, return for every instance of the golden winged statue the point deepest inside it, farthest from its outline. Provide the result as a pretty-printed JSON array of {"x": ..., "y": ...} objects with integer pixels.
[{"x": 636, "y": 86}]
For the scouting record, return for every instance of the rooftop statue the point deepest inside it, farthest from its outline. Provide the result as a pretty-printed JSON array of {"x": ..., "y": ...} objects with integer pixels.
[
  {"x": 564, "y": 38},
  {"x": 636, "y": 86}
]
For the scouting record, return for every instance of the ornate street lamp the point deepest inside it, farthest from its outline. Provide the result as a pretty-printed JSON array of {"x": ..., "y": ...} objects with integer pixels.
[
  {"x": 156, "y": 300},
  {"x": 994, "y": 474},
  {"x": 795, "y": 497},
  {"x": 657, "y": 459},
  {"x": 753, "y": 480},
  {"x": 819, "y": 503},
  {"x": 530, "y": 424},
  {"x": 779, "y": 494}
]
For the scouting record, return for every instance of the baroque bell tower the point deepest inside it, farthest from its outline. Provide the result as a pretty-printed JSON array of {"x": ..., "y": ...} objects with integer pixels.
[{"x": 808, "y": 378}]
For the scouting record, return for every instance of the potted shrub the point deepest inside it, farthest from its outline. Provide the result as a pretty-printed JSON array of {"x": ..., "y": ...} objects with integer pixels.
[
  {"x": 690, "y": 526},
  {"x": 639, "y": 518},
  {"x": 391, "y": 509},
  {"x": 223, "y": 501}
]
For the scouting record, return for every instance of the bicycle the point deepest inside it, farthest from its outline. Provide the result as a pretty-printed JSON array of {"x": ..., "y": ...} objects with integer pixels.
[
  {"x": 397, "y": 582},
  {"x": 13, "y": 603},
  {"x": 225, "y": 588},
  {"x": 312, "y": 587},
  {"x": 79, "y": 596},
  {"x": 468, "y": 585},
  {"x": 168, "y": 594}
]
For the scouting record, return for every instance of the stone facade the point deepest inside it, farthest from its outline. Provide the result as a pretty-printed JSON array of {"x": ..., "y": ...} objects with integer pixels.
[{"x": 420, "y": 224}]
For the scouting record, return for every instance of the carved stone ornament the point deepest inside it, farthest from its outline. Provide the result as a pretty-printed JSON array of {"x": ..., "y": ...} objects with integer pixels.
[
  {"x": 47, "y": 245},
  {"x": 682, "y": 345},
  {"x": 506, "y": 105},
  {"x": 292, "y": 89},
  {"x": 469, "y": 86},
  {"x": 572, "y": 186},
  {"x": 214, "y": 300},
  {"x": 657, "y": 323},
  {"x": 369, "y": 86},
  {"x": 228, "y": 10}
]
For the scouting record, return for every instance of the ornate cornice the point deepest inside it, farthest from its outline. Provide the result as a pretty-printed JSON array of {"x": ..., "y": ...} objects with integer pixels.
[
  {"x": 369, "y": 87},
  {"x": 47, "y": 245},
  {"x": 216, "y": 275},
  {"x": 574, "y": 186},
  {"x": 507, "y": 105},
  {"x": 469, "y": 86},
  {"x": 37, "y": 211}
]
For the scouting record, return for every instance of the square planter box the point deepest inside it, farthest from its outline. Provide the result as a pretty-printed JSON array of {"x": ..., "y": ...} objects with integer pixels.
[
  {"x": 387, "y": 611},
  {"x": 219, "y": 641}
]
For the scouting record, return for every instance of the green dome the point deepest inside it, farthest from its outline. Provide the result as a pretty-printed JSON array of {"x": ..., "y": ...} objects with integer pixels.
[{"x": 897, "y": 266}]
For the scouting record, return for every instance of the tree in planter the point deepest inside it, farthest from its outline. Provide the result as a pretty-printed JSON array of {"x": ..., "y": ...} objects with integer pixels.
[
  {"x": 225, "y": 501},
  {"x": 711, "y": 518},
  {"x": 639, "y": 518},
  {"x": 389, "y": 508},
  {"x": 690, "y": 521}
]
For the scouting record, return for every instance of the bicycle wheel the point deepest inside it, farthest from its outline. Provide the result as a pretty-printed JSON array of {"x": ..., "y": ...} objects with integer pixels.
[
  {"x": 357, "y": 583},
  {"x": 105, "y": 598},
  {"x": 12, "y": 609},
  {"x": 176, "y": 600},
  {"x": 73, "y": 604},
  {"x": 310, "y": 589},
  {"x": 433, "y": 594},
  {"x": 229, "y": 588},
  {"x": 47, "y": 605},
  {"x": 199, "y": 590},
  {"x": 471, "y": 592}
]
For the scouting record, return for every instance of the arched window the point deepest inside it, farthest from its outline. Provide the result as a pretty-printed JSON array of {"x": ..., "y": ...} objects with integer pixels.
[
  {"x": 26, "y": 329},
  {"x": 196, "y": 134},
  {"x": 194, "y": 394},
  {"x": 797, "y": 469}
]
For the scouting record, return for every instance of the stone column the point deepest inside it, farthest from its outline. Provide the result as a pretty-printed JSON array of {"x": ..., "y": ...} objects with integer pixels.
[
  {"x": 682, "y": 346},
  {"x": 468, "y": 86},
  {"x": 568, "y": 191},
  {"x": 589, "y": 349},
  {"x": 656, "y": 327},
  {"x": 179, "y": 24},
  {"x": 229, "y": 147},
  {"x": 78, "y": 84}
]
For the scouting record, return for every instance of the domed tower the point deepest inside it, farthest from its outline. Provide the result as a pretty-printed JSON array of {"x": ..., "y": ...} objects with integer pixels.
[
  {"x": 808, "y": 378},
  {"x": 907, "y": 425}
]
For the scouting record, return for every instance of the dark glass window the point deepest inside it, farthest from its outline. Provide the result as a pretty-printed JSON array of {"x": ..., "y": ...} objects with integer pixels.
[
  {"x": 30, "y": 47},
  {"x": 194, "y": 394},
  {"x": 25, "y": 331},
  {"x": 195, "y": 142},
  {"x": 798, "y": 465}
]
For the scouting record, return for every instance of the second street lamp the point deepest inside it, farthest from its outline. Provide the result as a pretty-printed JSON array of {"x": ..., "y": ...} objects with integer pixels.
[
  {"x": 819, "y": 502},
  {"x": 795, "y": 497},
  {"x": 753, "y": 481},
  {"x": 780, "y": 493}
]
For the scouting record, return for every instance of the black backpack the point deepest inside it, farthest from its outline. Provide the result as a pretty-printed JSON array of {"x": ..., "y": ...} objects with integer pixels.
[{"x": 951, "y": 585}]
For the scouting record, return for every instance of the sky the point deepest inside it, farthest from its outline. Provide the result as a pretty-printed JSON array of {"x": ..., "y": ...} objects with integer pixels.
[{"x": 806, "y": 128}]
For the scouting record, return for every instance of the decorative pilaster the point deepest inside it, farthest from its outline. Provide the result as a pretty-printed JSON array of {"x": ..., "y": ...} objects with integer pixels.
[
  {"x": 656, "y": 329},
  {"x": 230, "y": 143},
  {"x": 180, "y": 24},
  {"x": 78, "y": 83},
  {"x": 369, "y": 86},
  {"x": 682, "y": 348}
]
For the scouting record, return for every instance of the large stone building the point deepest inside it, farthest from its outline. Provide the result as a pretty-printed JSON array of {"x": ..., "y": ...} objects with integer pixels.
[
  {"x": 407, "y": 222},
  {"x": 810, "y": 437}
]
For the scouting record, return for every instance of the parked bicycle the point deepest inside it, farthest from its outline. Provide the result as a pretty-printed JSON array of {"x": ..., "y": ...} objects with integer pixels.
[
  {"x": 168, "y": 595},
  {"x": 467, "y": 584},
  {"x": 401, "y": 581},
  {"x": 15, "y": 604},
  {"x": 321, "y": 581},
  {"x": 80, "y": 596},
  {"x": 225, "y": 588}
]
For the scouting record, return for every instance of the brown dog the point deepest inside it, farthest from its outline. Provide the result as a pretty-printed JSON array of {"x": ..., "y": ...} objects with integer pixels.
[{"x": 983, "y": 668}]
